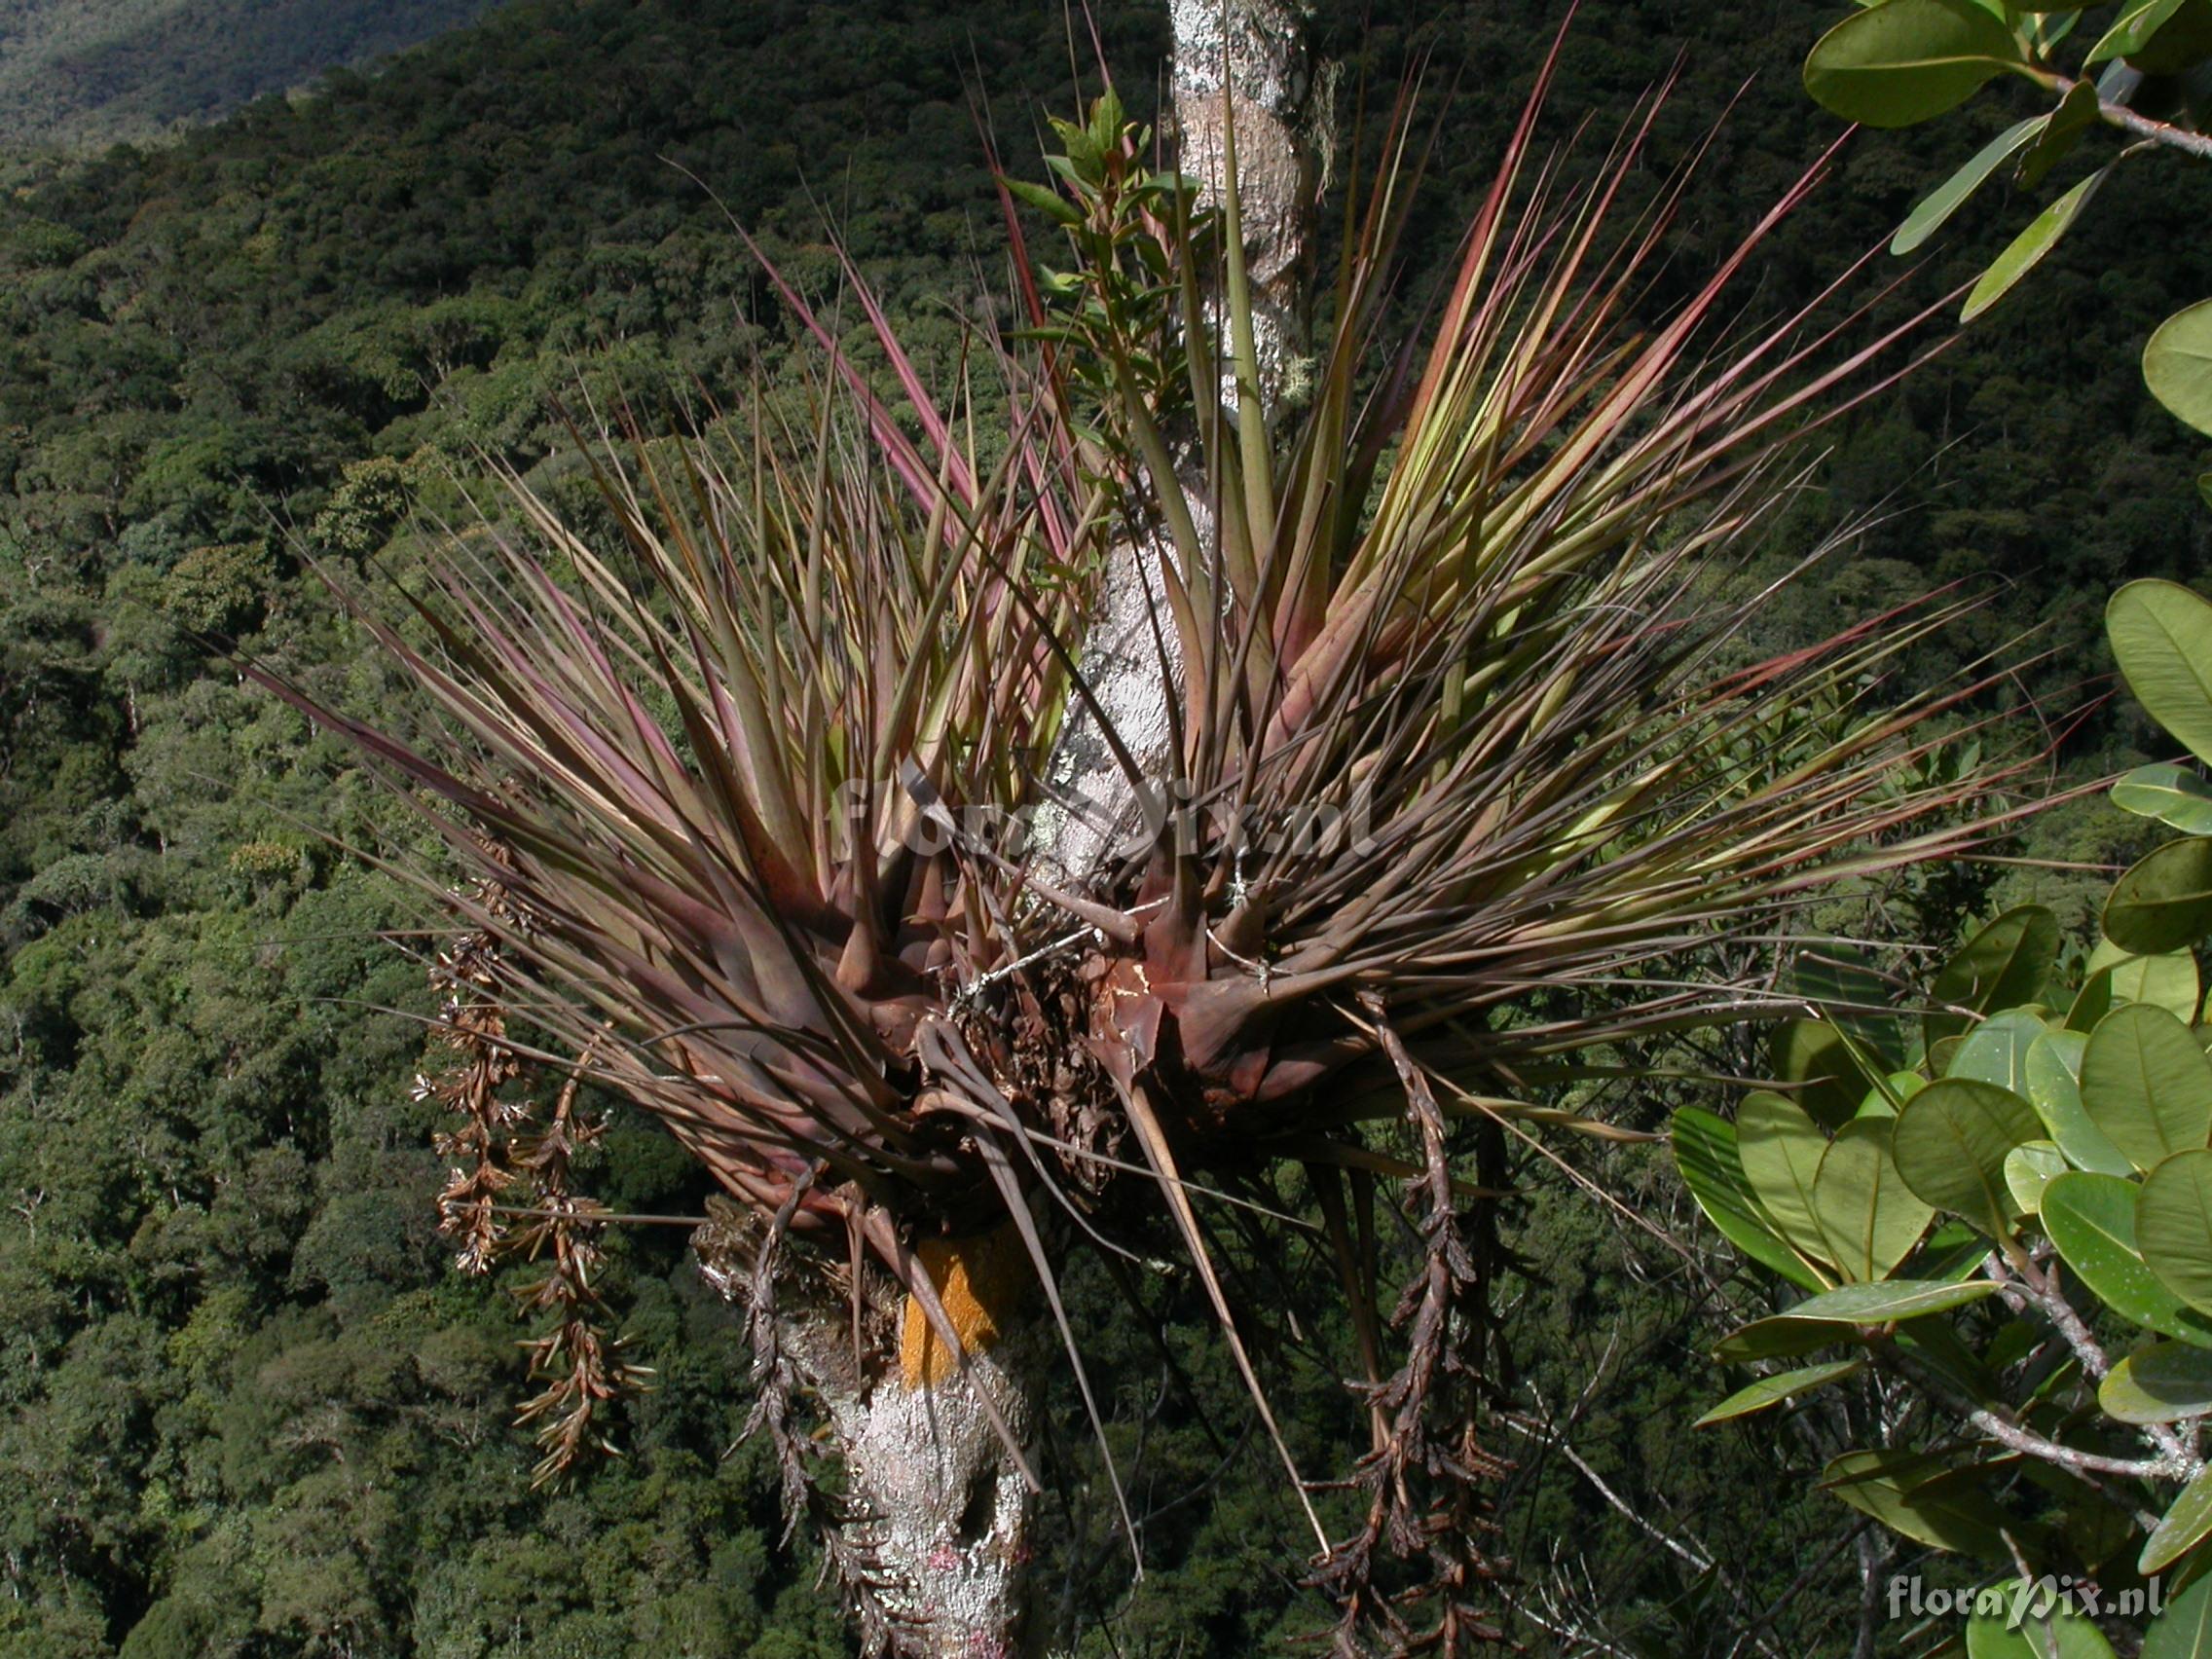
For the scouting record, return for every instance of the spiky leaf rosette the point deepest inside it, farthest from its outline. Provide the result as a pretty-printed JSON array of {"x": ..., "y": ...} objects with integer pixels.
[{"x": 1459, "y": 720}]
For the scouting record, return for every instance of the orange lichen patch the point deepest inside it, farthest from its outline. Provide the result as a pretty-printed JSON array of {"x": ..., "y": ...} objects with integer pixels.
[{"x": 981, "y": 1281}]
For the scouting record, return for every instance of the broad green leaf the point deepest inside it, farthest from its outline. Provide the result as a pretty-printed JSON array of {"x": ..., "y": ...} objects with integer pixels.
[
  {"x": 2147, "y": 1084},
  {"x": 2054, "y": 1089},
  {"x": 1869, "y": 1217},
  {"x": 2090, "y": 1220},
  {"x": 1950, "y": 1144},
  {"x": 2163, "y": 1382},
  {"x": 1905, "y": 1492},
  {"x": 1908, "y": 60},
  {"x": 2165, "y": 902},
  {"x": 2184, "y": 1630},
  {"x": 2187, "y": 1521},
  {"x": 1997, "y": 1051},
  {"x": 2176, "y": 365},
  {"x": 2026, "y": 251},
  {"x": 1948, "y": 198},
  {"x": 1780, "y": 1149},
  {"x": 2023, "y": 1632},
  {"x": 1830, "y": 1316},
  {"x": 2162, "y": 637},
  {"x": 2003, "y": 965},
  {"x": 2116, "y": 976},
  {"x": 1837, "y": 979},
  {"x": 2172, "y": 795},
  {"x": 2028, "y": 1170},
  {"x": 2137, "y": 22},
  {"x": 1773, "y": 1390},
  {"x": 1705, "y": 1153},
  {"x": 2173, "y": 1226},
  {"x": 1818, "y": 1056}
]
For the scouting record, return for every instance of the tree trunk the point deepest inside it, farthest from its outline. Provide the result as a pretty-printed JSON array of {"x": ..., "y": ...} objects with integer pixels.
[
  {"x": 929, "y": 1534},
  {"x": 1130, "y": 657}
]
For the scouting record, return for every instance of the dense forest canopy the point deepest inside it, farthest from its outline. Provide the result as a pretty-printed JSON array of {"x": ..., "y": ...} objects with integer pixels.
[
  {"x": 80, "y": 73},
  {"x": 248, "y": 1409}
]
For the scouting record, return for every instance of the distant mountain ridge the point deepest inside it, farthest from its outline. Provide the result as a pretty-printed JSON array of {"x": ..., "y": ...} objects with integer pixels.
[{"x": 84, "y": 73}]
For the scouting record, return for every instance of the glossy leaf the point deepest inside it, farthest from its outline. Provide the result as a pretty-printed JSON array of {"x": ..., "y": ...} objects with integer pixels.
[
  {"x": 2173, "y": 795},
  {"x": 1780, "y": 1149},
  {"x": 2173, "y": 1226},
  {"x": 1833, "y": 1314},
  {"x": 2163, "y": 1382},
  {"x": 1705, "y": 1153},
  {"x": 2090, "y": 1220},
  {"x": 2137, "y": 22},
  {"x": 2028, "y": 249},
  {"x": 2187, "y": 1521},
  {"x": 2058, "y": 1633},
  {"x": 1909, "y": 1494},
  {"x": 1818, "y": 1056},
  {"x": 2054, "y": 1089},
  {"x": 1946, "y": 199},
  {"x": 2076, "y": 111},
  {"x": 2184, "y": 1630},
  {"x": 2162, "y": 636},
  {"x": 2147, "y": 1084},
  {"x": 2176, "y": 365},
  {"x": 1907, "y": 60},
  {"x": 1950, "y": 1144},
  {"x": 1997, "y": 1051},
  {"x": 2028, "y": 1170},
  {"x": 2165, "y": 902},
  {"x": 1868, "y": 1216},
  {"x": 2001, "y": 966},
  {"x": 1773, "y": 1390}
]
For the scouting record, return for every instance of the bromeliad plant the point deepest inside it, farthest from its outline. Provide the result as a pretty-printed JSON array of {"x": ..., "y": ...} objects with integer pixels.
[
  {"x": 2006, "y": 1228},
  {"x": 1471, "y": 777}
]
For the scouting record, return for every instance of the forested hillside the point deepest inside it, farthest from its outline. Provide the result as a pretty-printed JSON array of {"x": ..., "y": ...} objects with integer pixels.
[
  {"x": 76, "y": 73},
  {"x": 246, "y": 1408}
]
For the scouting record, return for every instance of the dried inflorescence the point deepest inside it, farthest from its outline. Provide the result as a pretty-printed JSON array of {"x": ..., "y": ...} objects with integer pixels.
[{"x": 496, "y": 1161}]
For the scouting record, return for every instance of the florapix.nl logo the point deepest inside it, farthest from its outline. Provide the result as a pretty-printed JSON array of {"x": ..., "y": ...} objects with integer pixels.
[{"x": 2021, "y": 1601}]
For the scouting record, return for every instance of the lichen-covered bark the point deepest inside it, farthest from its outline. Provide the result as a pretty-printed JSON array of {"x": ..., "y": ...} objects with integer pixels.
[
  {"x": 929, "y": 1530},
  {"x": 1257, "y": 49}
]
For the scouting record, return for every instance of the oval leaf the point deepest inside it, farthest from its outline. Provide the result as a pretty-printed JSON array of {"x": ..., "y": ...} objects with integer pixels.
[
  {"x": 2165, "y": 902},
  {"x": 2054, "y": 1089},
  {"x": 2029, "y": 1169},
  {"x": 2176, "y": 365},
  {"x": 2090, "y": 1220},
  {"x": 1907, "y": 60},
  {"x": 1997, "y": 1051},
  {"x": 1827, "y": 1317},
  {"x": 2147, "y": 1084},
  {"x": 2003, "y": 965},
  {"x": 1704, "y": 1145},
  {"x": 2187, "y": 1521},
  {"x": 2022, "y": 1632},
  {"x": 2173, "y": 1226},
  {"x": 2163, "y": 1382},
  {"x": 1946, "y": 199},
  {"x": 2026, "y": 251},
  {"x": 2162, "y": 637},
  {"x": 1780, "y": 1149},
  {"x": 1773, "y": 1390},
  {"x": 2172, "y": 795},
  {"x": 2184, "y": 1630},
  {"x": 2137, "y": 22},
  {"x": 1907, "y": 1493},
  {"x": 1950, "y": 1144},
  {"x": 1871, "y": 1218}
]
